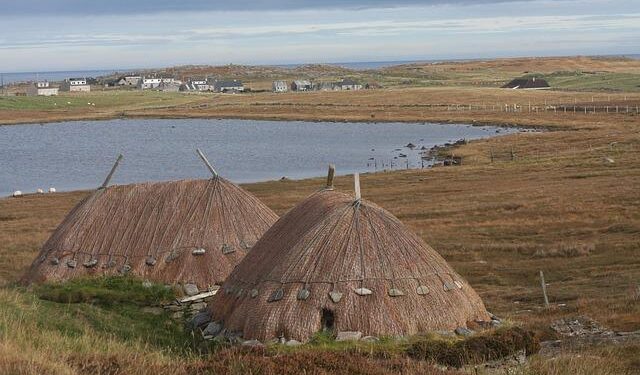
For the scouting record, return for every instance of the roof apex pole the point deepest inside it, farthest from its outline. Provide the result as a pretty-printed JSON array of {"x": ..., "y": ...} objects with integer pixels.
[
  {"x": 330, "y": 175},
  {"x": 206, "y": 162},
  {"x": 356, "y": 182},
  {"x": 113, "y": 170}
]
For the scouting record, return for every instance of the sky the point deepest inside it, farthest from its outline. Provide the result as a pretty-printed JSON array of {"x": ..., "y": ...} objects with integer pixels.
[{"x": 53, "y": 35}]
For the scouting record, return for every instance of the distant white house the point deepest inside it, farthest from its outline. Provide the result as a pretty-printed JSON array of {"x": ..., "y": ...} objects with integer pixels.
[
  {"x": 149, "y": 83},
  {"x": 280, "y": 86},
  {"x": 301, "y": 85},
  {"x": 349, "y": 84},
  {"x": 129, "y": 80},
  {"x": 228, "y": 86},
  {"x": 197, "y": 84},
  {"x": 42, "y": 88},
  {"x": 75, "y": 85}
]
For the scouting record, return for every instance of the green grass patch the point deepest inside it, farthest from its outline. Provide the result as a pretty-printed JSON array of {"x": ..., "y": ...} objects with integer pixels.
[{"x": 106, "y": 291}]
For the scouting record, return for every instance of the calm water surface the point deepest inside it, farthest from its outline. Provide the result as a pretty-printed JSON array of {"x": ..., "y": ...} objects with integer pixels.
[{"x": 78, "y": 155}]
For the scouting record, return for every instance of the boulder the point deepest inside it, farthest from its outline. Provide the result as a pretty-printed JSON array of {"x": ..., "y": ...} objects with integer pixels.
[
  {"x": 200, "y": 319},
  {"x": 212, "y": 329},
  {"x": 190, "y": 289},
  {"x": 348, "y": 336},
  {"x": 293, "y": 343},
  {"x": 198, "y": 306},
  {"x": 253, "y": 343}
]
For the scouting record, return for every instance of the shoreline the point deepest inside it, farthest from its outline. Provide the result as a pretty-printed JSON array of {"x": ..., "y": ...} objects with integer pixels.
[{"x": 474, "y": 123}]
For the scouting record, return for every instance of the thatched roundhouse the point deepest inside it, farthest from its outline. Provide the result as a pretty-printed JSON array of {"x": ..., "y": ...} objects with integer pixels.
[
  {"x": 189, "y": 231},
  {"x": 336, "y": 263}
]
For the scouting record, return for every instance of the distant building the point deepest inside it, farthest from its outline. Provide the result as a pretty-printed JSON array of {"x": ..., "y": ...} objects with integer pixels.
[
  {"x": 228, "y": 86},
  {"x": 532, "y": 83},
  {"x": 42, "y": 89},
  {"x": 75, "y": 85},
  {"x": 129, "y": 81},
  {"x": 349, "y": 84},
  {"x": 151, "y": 83},
  {"x": 301, "y": 85},
  {"x": 197, "y": 84},
  {"x": 326, "y": 86},
  {"x": 169, "y": 86},
  {"x": 280, "y": 86}
]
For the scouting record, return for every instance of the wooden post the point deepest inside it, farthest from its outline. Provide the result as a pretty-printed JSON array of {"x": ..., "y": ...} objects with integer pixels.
[
  {"x": 330, "y": 175},
  {"x": 206, "y": 162},
  {"x": 356, "y": 182},
  {"x": 113, "y": 170},
  {"x": 544, "y": 290}
]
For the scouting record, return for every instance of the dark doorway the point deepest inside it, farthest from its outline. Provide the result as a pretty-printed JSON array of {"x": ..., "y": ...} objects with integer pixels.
[{"x": 328, "y": 320}]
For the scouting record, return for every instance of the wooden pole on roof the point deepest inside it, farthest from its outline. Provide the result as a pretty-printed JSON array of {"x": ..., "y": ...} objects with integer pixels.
[
  {"x": 113, "y": 170},
  {"x": 356, "y": 181},
  {"x": 330, "y": 175},
  {"x": 206, "y": 162}
]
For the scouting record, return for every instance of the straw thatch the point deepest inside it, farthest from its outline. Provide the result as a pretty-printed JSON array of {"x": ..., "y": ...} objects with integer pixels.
[
  {"x": 350, "y": 261},
  {"x": 189, "y": 231}
]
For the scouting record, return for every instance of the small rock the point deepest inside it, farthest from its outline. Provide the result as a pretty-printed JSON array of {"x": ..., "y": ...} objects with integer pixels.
[
  {"x": 293, "y": 343},
  {"x": 177, "y": 315},
  {"x": 198, "y": 251},
  {"x": 463, "y": 331},
  {"x": 253, "y": 343},
  {"x": 348, "y": 336},
  {"x": 147, "y": 284},
  {"x": 190, "y": 289},
  {"x": 198, "y": 306},
  {"x": 608, "y": 160},
  {"x": 370, "y": 339},
  {"x": 212, "y": 329}
]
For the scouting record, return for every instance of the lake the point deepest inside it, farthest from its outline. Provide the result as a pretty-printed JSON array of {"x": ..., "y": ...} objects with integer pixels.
[{"x": 78, "y": 155}]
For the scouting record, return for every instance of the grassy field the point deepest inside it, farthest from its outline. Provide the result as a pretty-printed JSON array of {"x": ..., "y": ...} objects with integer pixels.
[{"x": 566, "y": 203}]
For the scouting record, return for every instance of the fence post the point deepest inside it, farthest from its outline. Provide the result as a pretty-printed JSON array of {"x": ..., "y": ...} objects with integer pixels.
[{"x": 544, "y": 290}]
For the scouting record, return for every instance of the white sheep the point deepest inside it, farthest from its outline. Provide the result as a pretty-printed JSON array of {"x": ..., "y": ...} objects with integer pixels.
[
  {"x": 40, "y": 191},
  {"x": 17, "y": 194},
  {"x": 52, "y": 190}
]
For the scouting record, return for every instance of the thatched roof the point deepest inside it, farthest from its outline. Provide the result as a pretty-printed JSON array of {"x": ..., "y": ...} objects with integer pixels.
[
  {"x": 156, "y": 231},
  {"x": 333, "y": 255}
]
